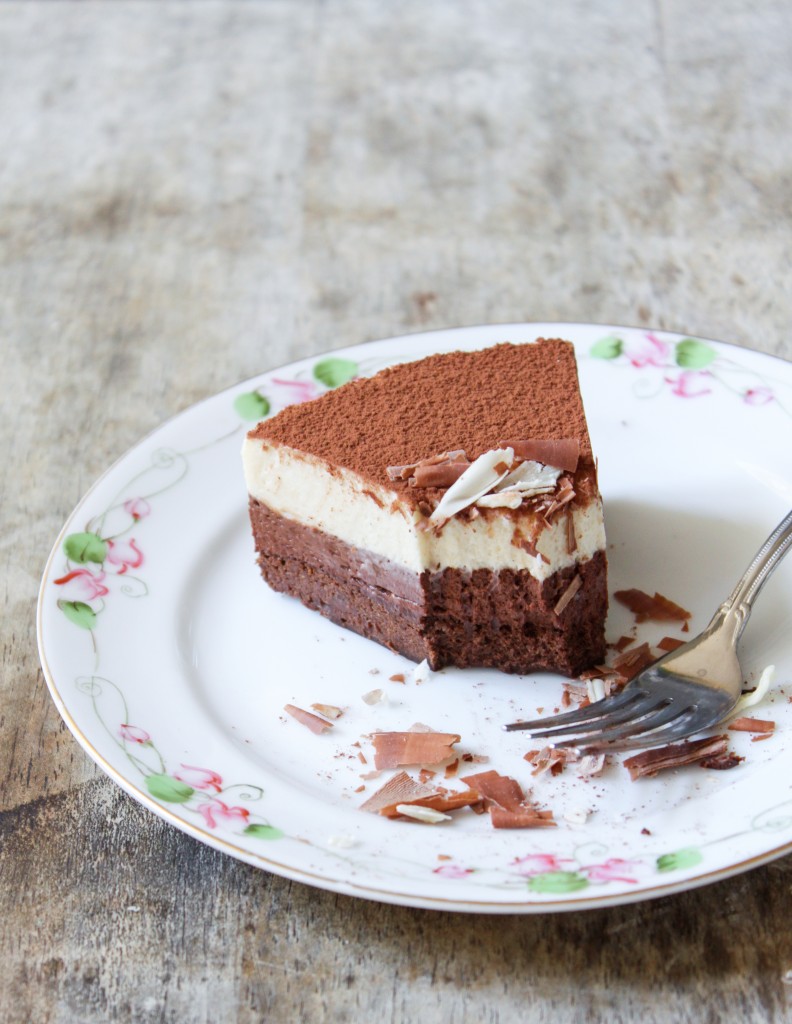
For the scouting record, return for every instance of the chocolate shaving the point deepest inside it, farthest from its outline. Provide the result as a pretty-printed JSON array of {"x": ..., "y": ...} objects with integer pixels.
[
  {"x": 503, "y": 797},
  {"x": 398, "y": 790},
  {"x": 525, "y": 818},
  {"x": 571, "y": 538},
  {"x": 723, "y": 762},
  {"x": 562, "y": 454},
  {"x": 670, "y": 643},
  {"x": 657, "y": 608},
  {"x": 628, "y": 664},
  {"x": 402, "y": 789},
  {"x": 496, "y": 788},
  {"x": 751, "y": 725},
  {"x": 568, "y": 594},
  {"x": 549, "y": 761},
  {"x": 519, "y": 540},
  {"x": 395, "y": 749},
  {"x": 313, "y": 722},
  {"x": 328, "y": 710},
  {"x": 436, "y": 801},
  {"x": 650, "y": 762},
  {"x": 444, "y": 458},
  {"x": 438, "y": 476},
  {"x": 622, "y": 643},
  {"x": 565, "y": 494}
]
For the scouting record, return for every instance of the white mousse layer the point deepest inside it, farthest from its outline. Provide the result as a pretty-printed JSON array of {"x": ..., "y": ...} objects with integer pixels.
[{"x": 340, "y": 503}]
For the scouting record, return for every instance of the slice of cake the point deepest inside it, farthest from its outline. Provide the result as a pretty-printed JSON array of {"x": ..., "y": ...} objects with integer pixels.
[{"x": 446, "y": 508}]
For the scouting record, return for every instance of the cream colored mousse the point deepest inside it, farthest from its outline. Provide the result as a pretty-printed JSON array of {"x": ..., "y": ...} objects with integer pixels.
[{"x": 365, "y": 515}]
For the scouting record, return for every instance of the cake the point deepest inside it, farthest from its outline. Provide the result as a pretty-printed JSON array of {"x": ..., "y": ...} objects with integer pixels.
[{"x": 446, "y": 508}]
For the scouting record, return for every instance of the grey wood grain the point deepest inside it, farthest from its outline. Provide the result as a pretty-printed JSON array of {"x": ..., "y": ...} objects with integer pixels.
[{"x": 191, "y": 193}]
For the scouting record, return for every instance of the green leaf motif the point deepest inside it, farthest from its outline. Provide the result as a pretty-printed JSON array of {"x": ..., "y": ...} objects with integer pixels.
[
  {"x": 558, "y": 882},
  {"x": 263, "y": 832},
  {"x": 78, "y": 612},
  {"x": 609, "y": 347},
  {"x": 688, "y": 858},
  {"x": 251, "y": 406},
  {"x": 694, "y": 355},
  {"x": 334, "y": 372},
  {"x": 85, "y": 547},
  {"x": 168, "y": 789}
]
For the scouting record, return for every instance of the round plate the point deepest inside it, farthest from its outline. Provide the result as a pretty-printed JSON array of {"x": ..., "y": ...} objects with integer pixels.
[{"x": 171, "y": 661}]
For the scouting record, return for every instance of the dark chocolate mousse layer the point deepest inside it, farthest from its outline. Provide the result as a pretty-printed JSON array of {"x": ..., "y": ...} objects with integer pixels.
[{"x": 503, "y": 619}]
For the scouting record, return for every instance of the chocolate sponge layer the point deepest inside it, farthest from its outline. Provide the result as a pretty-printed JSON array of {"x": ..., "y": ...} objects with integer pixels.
[{"x": 501, "y": 619}]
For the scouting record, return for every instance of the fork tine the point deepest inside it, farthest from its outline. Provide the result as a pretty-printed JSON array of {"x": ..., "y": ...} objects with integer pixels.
[
  {"x": 632, "y": 711},
  {"x": 631, "y": 729},
  {"x": 592, "y": 711},
  {"x": 685, "y": 724}
]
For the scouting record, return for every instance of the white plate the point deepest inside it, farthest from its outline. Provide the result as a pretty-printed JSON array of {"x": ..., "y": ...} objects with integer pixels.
[{"x": 171, "y": 661}]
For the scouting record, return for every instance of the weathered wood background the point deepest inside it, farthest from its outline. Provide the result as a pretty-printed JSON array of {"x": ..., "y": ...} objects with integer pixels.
[{"x": 193, "y": 192}]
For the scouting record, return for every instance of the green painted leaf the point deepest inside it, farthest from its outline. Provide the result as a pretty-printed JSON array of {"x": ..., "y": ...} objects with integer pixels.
[
  {"x": 688, "y": 858},
  {"x": 251, "y": 406},
  {"x": 85, "y": 547},
  {"x": 165, "y": 787},
  {"x": 263, "y": 832},
  {"x": 609, "y": 347},
  {"x": 557, "y": 882},
  {"x": 333, "y": 372},
  {"x": 78, "y": 612},
  {"x": 694, "y": 355}
]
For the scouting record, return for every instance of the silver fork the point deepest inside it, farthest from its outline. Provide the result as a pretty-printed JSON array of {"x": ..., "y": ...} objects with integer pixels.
[{"x": 682, "y": 693}]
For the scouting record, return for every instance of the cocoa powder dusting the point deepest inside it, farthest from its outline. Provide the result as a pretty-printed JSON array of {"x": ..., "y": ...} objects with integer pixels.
[{"x": 454, "y": 400}]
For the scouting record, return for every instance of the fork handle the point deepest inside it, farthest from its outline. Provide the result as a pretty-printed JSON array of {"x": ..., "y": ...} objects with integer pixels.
[{"x": 738, "y": 606}]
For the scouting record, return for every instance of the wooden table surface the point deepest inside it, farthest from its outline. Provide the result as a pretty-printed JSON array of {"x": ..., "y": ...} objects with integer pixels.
[{"x": 194, "y": 192}]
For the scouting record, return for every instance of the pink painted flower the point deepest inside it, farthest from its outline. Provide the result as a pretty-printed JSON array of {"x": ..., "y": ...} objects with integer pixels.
[
  {"x": 125, "y": 554},
  {"x": 82, "y": 585},
  {"x": 453, "y": 871},
  {"x": 215, "y": 811},
  {"x": 684, "y": 384},
  {"x": 134, "y": 734},
  {"x": 651, "y": 352},
  {"x": 758, "y": 396},
  {"x": 612, "y": 870},
  {"x": 199, "y": 778},
  {"x": 538, "y": 863},
  {"x": 138, "y": 508},
  {"x": 299, "y": 390}
]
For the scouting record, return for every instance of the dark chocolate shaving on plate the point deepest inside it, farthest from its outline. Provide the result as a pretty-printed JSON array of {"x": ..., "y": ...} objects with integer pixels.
[
  {"x": 313, "y": 722},
  {"x": 645, "y": 607},
  {"x": 397, "y": 749},
  {"x": 752, "y": 725},
  {"x": 650, "y": 762},
  {"x": 507, "y": 804}
]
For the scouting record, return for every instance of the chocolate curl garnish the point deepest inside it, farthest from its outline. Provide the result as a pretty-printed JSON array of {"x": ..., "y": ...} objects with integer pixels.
[
  {"x": 563, "y": 454},
  {"x": 405, "y": 472},
  {"x": 566, "y": 493},
  {"x": 650, "y": 762},
  {"x": 442, "y": 475}
]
